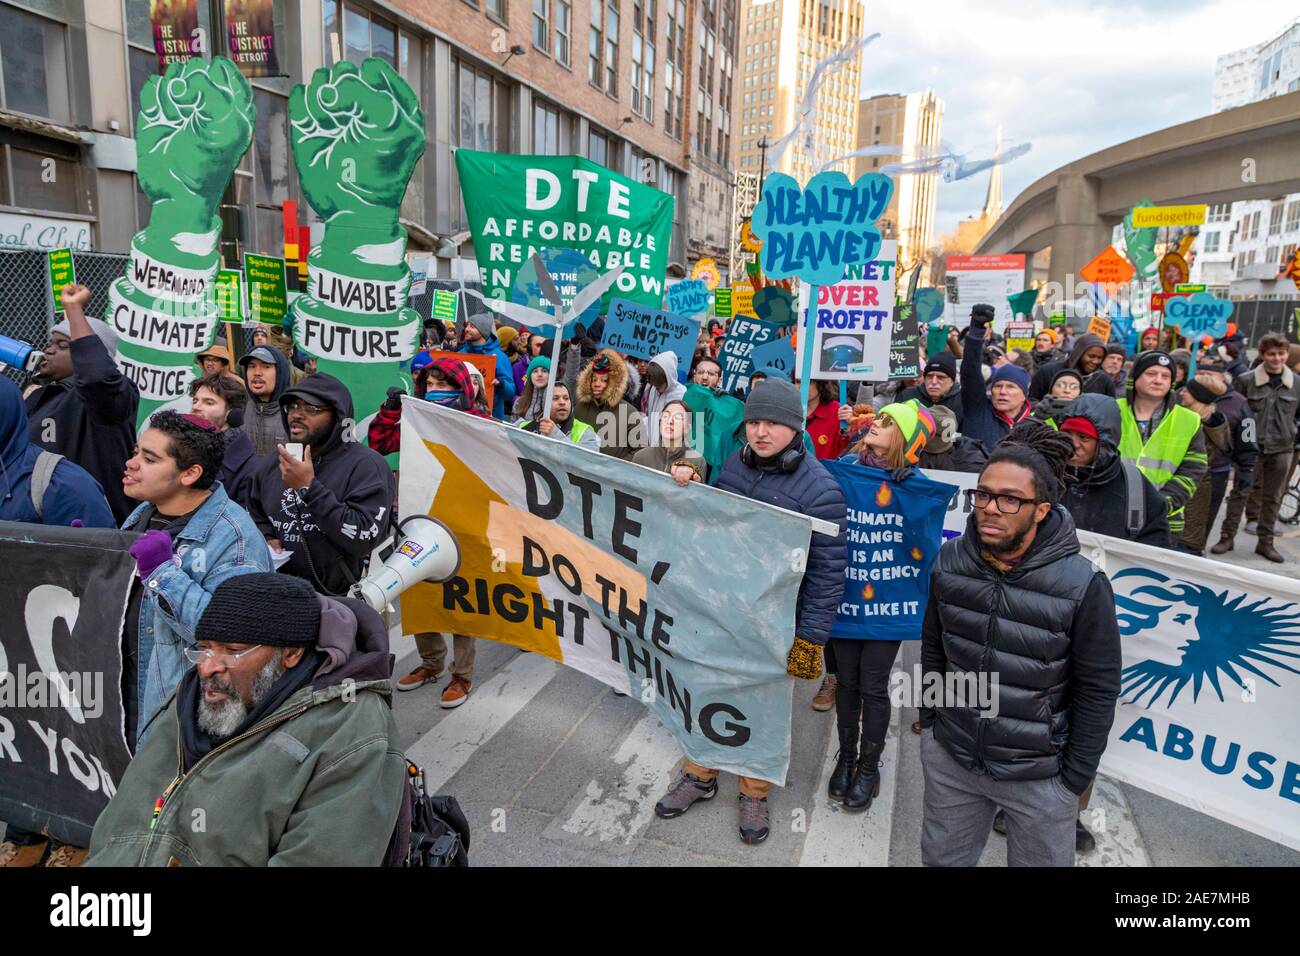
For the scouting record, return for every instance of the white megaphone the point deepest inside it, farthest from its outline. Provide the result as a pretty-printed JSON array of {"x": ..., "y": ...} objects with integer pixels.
[{"x": 426, "y": 551}]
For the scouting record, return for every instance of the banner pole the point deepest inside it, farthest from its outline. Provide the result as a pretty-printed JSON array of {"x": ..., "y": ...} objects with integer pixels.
[
  {"x": 555, "y": 364},
  {"x": 805, "y": 376},
  {"x": 844, "y": 400}
]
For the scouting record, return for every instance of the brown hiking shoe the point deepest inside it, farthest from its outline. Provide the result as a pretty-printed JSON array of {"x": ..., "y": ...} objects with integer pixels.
[
  {"x": 11, "y": 854},
  {"x": 824, "y": 699},
  {"x": 424, "y": 674},
  {"x": 457, "y": 692},
  {"x": 1224, "y": 545},
  {"x": 1266, "y": 549},
  {"x": 65, "y": 855}
]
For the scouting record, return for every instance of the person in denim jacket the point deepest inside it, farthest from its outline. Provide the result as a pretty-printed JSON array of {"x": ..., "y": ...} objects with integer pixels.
[{"x": 195, "y": 537}]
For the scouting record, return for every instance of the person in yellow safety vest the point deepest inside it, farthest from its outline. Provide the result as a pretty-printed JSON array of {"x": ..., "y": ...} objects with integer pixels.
[
  {"x": 562, "y": 424},
  {"x": 1161, "y": 437}
]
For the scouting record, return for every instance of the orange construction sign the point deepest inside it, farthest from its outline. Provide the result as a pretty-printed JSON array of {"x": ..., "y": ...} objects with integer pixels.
[{"x": 1108, "y": 270}]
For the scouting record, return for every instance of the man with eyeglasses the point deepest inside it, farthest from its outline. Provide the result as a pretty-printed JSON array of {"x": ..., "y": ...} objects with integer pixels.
[
  {"x": 1016, "y": 608},
  {"x": 330, "y": 506},
  {"x": 281, "y": 740}
]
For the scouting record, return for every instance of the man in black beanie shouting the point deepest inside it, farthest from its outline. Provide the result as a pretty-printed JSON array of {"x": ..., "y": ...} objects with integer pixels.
[
  {"x": 775, "y": 467},
  {"x": 288, "y": 751}
]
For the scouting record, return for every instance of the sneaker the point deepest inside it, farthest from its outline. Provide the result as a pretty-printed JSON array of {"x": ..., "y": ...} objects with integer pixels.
[
  {"x": 1084, "y": 842},
  {"x": 824, "y": 699},
  {"x": 1000, "y": 823},
  {"x": 64, "y": 855},
  {"x": 1252, "y": 527},
  {"x": 11, "y": 854},
  {"x": 684, "y": 792},
  {"x": 457, "y": 692},
  {"x": 753, "y": 819},
  {"x": 424, "y": 674}
]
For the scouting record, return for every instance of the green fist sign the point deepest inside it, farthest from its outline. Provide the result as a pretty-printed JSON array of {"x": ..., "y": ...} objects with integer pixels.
[
  {"x": 194, "y": 125},
  {"x": 357, "y": 134}
]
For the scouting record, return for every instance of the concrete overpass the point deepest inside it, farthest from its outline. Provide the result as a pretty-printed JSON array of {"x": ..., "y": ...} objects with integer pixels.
[{"x": 1074, "y": 208}]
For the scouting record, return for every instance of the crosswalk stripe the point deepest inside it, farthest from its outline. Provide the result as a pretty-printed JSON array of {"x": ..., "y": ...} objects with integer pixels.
[
  {"x": 837, "y": 837},
  {"x": 618, "y": 815},
  {"x": 456, "y": 738}
]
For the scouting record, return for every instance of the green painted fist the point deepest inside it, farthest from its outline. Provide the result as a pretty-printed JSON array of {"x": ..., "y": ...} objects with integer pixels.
[
  {"x": 195, "y": 122},
  {"x": 357, "y": 135}
]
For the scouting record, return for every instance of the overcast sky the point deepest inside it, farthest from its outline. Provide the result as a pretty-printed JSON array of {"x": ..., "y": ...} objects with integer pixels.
[{"x": 1069, "y": 77}]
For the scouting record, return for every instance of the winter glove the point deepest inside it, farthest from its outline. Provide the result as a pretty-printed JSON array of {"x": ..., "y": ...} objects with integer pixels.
[
  {"x": 804, "y": 660},
  {"x": 981, "y": 316},
  {"x": 900, "y": 475},
  {"x": 151, "y": 550},
  {"x": 394, "y": 401}
]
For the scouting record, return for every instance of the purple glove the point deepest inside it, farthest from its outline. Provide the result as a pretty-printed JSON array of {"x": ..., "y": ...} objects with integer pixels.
[
  {"x": 150, "y": 550},
  {"x": 77, "y": 523}
]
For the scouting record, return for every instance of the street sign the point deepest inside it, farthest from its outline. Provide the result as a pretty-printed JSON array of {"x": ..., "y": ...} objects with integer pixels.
[
  {"x": 61, "y": 272},
  {"x": 1108, "y": 270},
  {"x": 1188, "y": 288}
]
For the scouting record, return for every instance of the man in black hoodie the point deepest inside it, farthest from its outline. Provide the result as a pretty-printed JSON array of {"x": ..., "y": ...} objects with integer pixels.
[
  {"x": 1086, "y": 358},
  {"x": 335, "y": 505},
  {"x": 84, "y": 408},
  {"x": 1100, "y": 484},
  {"x": 1013, "y": 603}
]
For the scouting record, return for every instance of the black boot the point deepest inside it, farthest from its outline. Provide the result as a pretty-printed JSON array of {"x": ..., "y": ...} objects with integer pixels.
[
  {"x": 846, "y": 762},
  {"x": 866, "y": 782}
]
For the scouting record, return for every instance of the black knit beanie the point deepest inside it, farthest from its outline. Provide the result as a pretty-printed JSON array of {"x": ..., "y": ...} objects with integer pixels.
[
  {"x": 273, "y": 609},
  {"x": 1149, "y": 359}
]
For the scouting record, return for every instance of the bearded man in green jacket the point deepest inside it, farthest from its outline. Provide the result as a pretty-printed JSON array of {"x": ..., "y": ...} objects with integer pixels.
[{"x": 278, "y": 748}]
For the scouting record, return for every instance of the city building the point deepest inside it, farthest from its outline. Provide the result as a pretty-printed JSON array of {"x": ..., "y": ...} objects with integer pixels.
[
  {"x": 644, "y": 87},
  {"x": 1242, "y": 248},
  {"x": 781, "y": 43},
  {"x": 912, "y": 122}
]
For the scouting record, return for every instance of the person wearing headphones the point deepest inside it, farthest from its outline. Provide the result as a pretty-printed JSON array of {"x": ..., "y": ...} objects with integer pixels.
[
  {"x": 775, "y": 467},
  {"x": 220, "y": 398}
]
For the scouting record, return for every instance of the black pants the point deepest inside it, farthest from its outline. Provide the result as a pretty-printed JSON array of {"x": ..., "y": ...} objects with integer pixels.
[{"x": 863, "y": 691}]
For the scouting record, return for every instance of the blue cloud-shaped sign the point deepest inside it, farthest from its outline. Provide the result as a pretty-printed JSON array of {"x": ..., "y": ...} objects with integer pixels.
[
  {"x": 812, "y": 233},
  {"x": 1198, "y": 315}
]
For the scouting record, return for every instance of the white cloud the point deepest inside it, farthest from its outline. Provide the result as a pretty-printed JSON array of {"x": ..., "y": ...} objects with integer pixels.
[{"x": 1070, "y": 77}]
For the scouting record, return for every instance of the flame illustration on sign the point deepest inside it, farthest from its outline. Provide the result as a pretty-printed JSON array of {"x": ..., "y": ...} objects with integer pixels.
[
  {"x": 916, "y": 554},
  {"x": 868, "y": 592},
  {"x": 884, "y": 496}
]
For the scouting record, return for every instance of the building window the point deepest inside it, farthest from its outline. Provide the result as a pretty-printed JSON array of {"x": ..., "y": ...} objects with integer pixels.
[
  {"x": 597, "y": 148},
  {"x": 1211, "y": 243},
  {"x": 1275, "y": 219},
  {"x": 495, "y": 8},
  {"x": 1254, "y": 226},
  {"x": 546, "y": 130},
  {"x": 563, "y": 30},
  {"x": 595, "y": 41},
  {"x": 643, "y": 58},
  {"x": 1293, "y": 216},
  {"x": 611, "y": 48},
  {"x": 542, "y": 25},
  {"x": 33, "y": 54},
  {"x": 363, "y": 35},
  {"x": 484, "y": 111}
]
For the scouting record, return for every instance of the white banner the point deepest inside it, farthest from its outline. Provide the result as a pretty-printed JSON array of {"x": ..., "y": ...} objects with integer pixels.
[
  {"x": 1210, "y": 702},
  {"x": 189, "y": 329},
  {"x": 354, "y": 343}
]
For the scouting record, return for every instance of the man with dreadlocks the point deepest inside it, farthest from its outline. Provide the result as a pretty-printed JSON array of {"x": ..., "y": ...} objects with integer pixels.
[{"x": 1013, "y": 603}]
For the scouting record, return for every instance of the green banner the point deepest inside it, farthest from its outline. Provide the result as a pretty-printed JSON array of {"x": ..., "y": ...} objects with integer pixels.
[
  {"x": 1022, "y": 303},
  {"x": 267, "y": 295},
  {"x": 519, "y": 204},
  {"x": 444, "y": 304},
  {"x": 722, "y": 302},
  {"x": 62, "y": 272},
  {"x": 230, "y": 295}
]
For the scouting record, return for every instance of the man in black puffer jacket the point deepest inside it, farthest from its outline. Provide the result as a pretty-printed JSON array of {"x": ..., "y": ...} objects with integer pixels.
[
  {"x": 1014, "y": 604},
  {"x": 775, "y": 467},
  {"x": 1097, "y": 483}
]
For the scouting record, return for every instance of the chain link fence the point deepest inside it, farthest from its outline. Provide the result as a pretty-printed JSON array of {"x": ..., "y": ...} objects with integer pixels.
[{"x": 27, "y": 307}]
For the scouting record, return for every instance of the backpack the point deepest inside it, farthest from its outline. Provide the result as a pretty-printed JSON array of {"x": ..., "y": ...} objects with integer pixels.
[
  {"x": 42, "y": 474},
  {"x": 1136, "y": 513},
  {"x": 430, "y": 831}
]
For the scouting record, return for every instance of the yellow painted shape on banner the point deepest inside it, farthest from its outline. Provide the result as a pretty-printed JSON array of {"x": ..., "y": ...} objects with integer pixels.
[
  {"x": 464, "y": 503},
  {"x": 742, "y": 300},
  {"x": 507, "y": 528}
]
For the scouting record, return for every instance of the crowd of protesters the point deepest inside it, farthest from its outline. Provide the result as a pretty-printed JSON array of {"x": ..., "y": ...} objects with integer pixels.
[{"x": 259, "y": 504}]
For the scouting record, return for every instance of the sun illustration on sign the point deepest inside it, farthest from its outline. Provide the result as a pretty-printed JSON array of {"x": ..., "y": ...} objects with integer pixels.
[{"x": 1230, "y": 633}]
